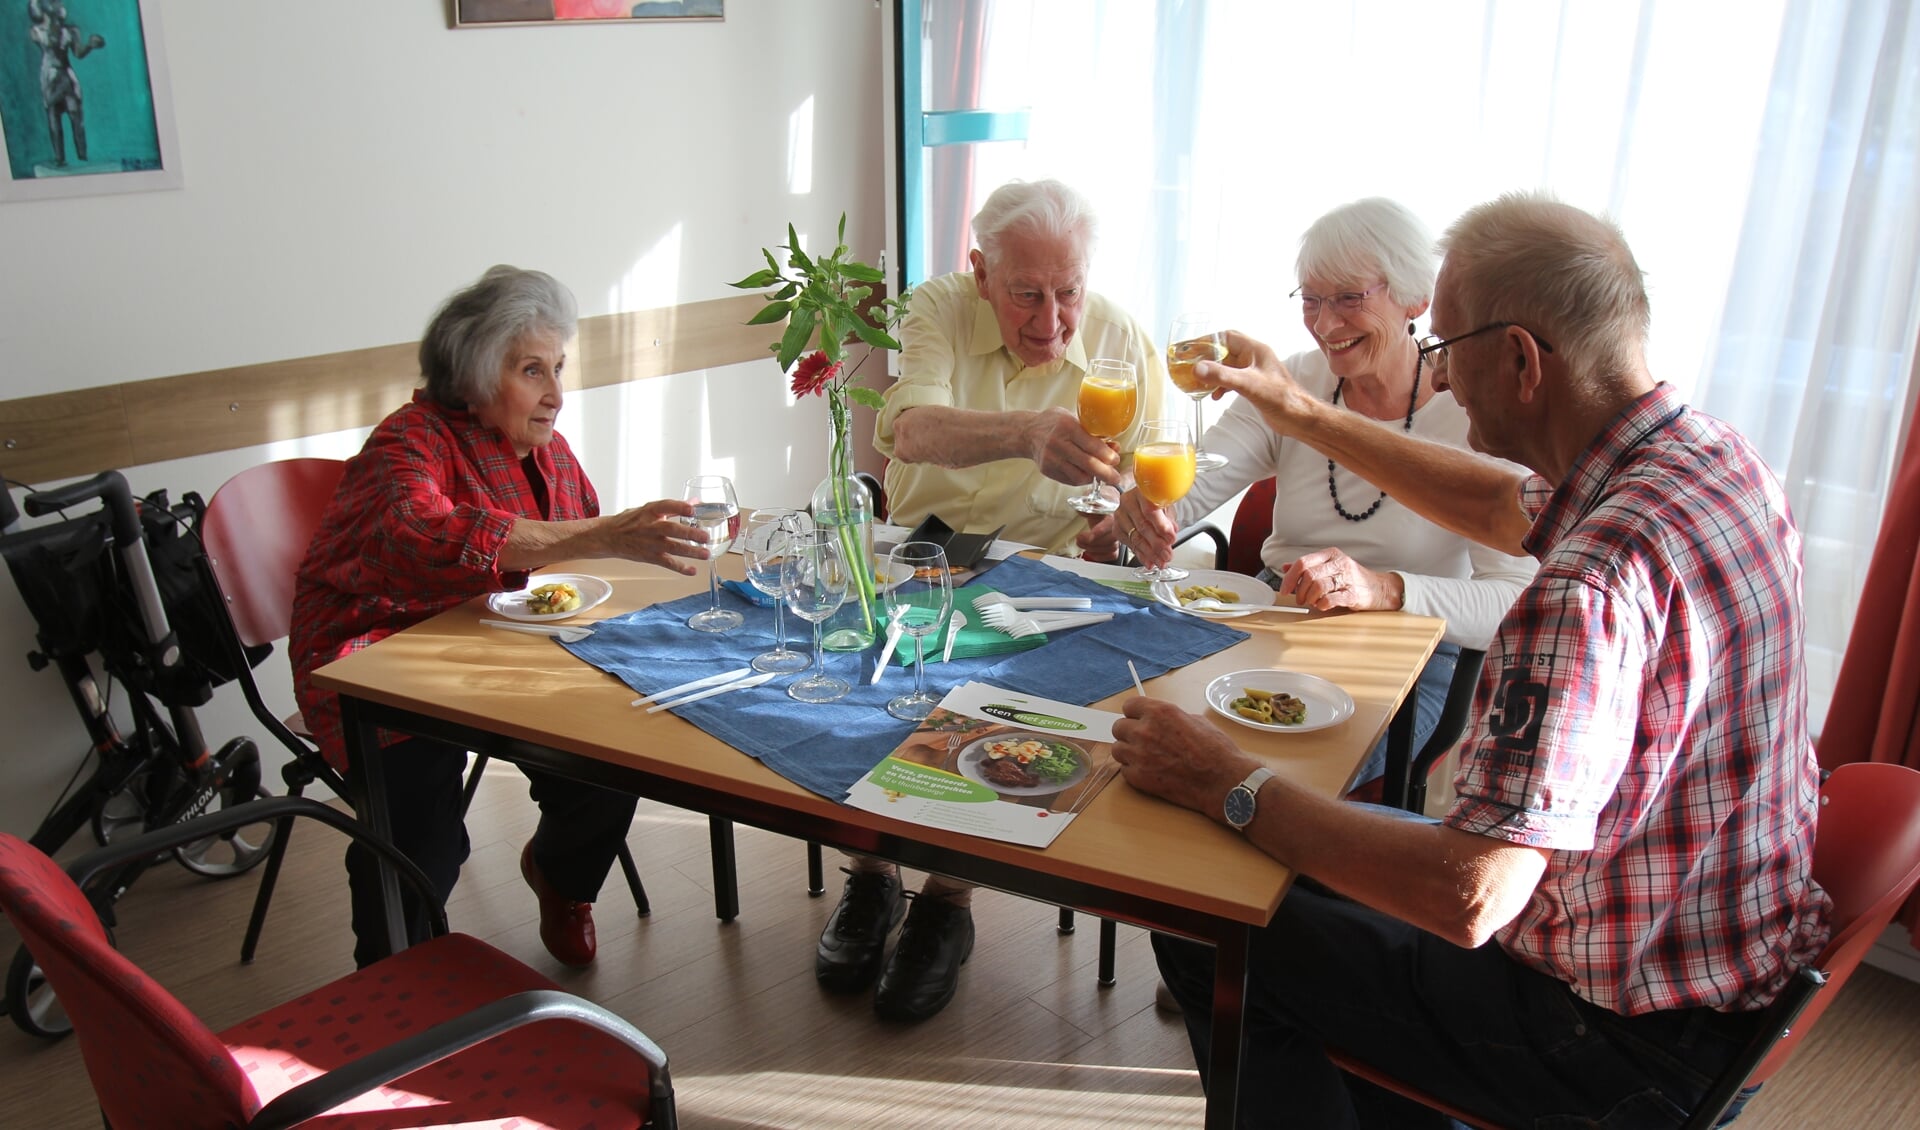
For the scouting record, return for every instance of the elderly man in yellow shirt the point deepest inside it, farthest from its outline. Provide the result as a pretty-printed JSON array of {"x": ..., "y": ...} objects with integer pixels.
[
  {"x": 981, "y": 431},
  {"x": 980, "y": 428}
]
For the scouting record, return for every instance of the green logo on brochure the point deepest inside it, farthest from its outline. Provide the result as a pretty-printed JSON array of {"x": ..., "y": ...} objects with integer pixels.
[{"x": 1038, "y": 721}]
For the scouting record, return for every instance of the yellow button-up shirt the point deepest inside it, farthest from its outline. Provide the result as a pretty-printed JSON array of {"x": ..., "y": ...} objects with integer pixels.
[{"x": 953, "y": 356}]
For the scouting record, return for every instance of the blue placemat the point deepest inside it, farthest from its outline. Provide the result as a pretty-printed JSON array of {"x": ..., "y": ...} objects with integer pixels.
[{"x": 826, "y": 747}]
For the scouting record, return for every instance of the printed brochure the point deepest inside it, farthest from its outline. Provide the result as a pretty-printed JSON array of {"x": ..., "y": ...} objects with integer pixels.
[{"x": 995, "y": 763}]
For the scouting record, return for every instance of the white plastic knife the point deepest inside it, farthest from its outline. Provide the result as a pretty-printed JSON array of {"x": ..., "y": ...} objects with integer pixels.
[
  {"x": 894, "y": 632},
  {"x": 710, "y": 680},
  {"x": 954, "y": 625},
  {"x": 753, "y": 680}
]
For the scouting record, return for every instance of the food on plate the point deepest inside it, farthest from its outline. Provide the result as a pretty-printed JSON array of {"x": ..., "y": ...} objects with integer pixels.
[
  {"x": 1271, "y": 708},
  {"x": 559, "y": 596},
  {"x": 1196, "y": 592},
  {"x": 1008, "y": 774},
  {"x": 1033, "y": 758}
]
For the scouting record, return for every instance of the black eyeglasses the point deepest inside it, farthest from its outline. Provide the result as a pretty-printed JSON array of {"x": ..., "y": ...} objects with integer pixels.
[{"x": 1430, "y": 345}]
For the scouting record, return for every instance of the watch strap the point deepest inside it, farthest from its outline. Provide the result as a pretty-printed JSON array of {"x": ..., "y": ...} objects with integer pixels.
[{"x": 1251, "y": 787}]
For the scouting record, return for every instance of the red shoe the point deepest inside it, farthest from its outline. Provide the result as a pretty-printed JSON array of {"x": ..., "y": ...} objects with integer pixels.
[{"x": 566, "y": 927}]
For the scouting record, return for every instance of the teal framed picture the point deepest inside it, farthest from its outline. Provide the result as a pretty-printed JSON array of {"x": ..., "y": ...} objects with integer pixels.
[
  {"x": 495, "y": 13},
  {"x": 84, "y": 99}
]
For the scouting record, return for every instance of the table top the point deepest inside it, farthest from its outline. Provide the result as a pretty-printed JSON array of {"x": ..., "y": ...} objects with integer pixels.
[{"x": 528, "y": 688}]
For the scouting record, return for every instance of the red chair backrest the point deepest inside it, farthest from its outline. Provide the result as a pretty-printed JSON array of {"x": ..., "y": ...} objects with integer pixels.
[
  {"x": 151, "y": 1061},
  {"x": 1866, "y": 854},
  {"x": 1252, "y": 523},
  {"x": 256, "y": 532}
]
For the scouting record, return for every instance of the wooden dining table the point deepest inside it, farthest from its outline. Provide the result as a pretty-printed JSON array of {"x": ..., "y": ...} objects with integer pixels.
[{"x": 1127, "y": 856}]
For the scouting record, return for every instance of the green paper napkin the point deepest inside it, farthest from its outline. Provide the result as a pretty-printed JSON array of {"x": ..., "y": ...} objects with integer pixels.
[{"x": 976, "y": 639}]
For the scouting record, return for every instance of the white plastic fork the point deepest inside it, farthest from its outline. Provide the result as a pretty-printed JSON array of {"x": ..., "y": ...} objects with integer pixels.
[
  {"x": 989, "y": 600},
  {"x": 1019, "y": 625}
]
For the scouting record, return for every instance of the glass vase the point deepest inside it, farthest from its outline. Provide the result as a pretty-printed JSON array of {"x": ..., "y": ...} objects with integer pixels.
[{"x": 843, "y": 504}]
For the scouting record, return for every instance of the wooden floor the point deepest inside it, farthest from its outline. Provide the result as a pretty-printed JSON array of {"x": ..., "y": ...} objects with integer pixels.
[{"x": 1030, "y": 1042}]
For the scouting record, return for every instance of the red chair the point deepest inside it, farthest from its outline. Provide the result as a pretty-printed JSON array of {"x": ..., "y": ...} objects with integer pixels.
[
  {"x": 1866, "y": 855},
  {"x": 255, "y": 533},
  {"x": 450, "y": 1031}
]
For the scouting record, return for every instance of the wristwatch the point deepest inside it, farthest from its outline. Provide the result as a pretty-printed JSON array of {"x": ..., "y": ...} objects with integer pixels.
[{"x": 1243, "y": 798}]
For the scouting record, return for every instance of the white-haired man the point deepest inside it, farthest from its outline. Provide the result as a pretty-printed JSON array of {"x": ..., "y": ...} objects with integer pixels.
[{"x": 980, "y": 430}]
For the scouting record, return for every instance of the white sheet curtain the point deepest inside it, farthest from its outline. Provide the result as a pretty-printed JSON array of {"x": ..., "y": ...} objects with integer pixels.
[{"x": 1761, "y": 157}]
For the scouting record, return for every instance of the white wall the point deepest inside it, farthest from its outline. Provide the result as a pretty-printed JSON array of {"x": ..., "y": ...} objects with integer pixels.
[{"x": 348, "y": 164}]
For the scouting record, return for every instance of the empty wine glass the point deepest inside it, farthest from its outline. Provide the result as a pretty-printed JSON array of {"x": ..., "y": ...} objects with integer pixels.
[
  {"x": 1163, "y": 469},
  {"x": 770, "y": 534},
  {"x": 1109, "y": 400},
  {"x": 920, "y": 604},
  {"x": 1196, "y": 337},
  {"x": 813, "y": 580},
  {"x": 716, "y": 511}
]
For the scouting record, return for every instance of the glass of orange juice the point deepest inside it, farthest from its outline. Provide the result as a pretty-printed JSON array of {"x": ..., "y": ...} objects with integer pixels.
[
  {"x": 1196, "y": 337},
  {"x": 1109, "y": 400},
  {"x": 1163, "y": 470}
]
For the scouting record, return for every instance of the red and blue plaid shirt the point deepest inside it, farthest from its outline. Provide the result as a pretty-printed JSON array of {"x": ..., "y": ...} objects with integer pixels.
[
  {"x": 414, "y": 529},
  {"x": 1644, "y": 715}
]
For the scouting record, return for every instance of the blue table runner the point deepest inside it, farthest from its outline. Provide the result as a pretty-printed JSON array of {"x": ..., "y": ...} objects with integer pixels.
[{"x": 826, "y": 747}]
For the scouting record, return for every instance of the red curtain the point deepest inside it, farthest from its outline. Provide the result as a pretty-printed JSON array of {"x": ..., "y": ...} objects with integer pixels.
[{"x": 1876, "y": 700}]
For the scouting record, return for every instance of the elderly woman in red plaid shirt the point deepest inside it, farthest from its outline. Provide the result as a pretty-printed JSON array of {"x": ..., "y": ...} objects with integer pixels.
[{"x": 460, "y": 493}]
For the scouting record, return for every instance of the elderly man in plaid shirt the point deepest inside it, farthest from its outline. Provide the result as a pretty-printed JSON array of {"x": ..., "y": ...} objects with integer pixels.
[{"x": 1636, "y": 796}]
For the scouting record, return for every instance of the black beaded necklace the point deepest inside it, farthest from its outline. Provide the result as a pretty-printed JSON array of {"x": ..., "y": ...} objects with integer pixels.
[{"x": 1413, "y": 402}]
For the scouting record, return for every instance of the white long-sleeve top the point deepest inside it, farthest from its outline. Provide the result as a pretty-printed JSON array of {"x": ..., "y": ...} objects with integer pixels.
[{"x": 1465, "y": 583}]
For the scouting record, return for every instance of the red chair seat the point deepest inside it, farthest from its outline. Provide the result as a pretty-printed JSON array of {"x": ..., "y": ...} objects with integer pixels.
[{"x": 579, "y": 1079}]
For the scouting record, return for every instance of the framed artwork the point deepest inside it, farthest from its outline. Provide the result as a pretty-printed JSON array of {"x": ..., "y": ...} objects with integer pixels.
[
  {"x": 483, "y": 13},
  {"x": 84, "y": 99}
]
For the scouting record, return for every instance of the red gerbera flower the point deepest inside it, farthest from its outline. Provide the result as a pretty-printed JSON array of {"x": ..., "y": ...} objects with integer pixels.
[{"x": 813, "y": 372}]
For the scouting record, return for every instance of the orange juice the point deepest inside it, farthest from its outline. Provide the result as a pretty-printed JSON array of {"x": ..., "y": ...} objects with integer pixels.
[
  {"x": 1181, "y": 356},
  {"x": 1163, "y": 472},
  {"x": 1107, "y": 406}
]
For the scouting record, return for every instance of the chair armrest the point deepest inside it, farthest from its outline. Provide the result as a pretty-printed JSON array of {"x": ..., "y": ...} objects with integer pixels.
[
  {"x": 281, "y": 810},
  {"x": 317, "y": 1096},
  {"x": 1446, "y": 731},
  {"x": 1212, "y": 533}
]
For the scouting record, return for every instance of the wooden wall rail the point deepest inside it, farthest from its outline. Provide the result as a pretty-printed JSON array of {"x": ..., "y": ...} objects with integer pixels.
[{"x": 65, "y": 434}]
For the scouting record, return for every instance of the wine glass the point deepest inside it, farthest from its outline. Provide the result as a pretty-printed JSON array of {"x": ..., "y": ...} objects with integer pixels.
[
  {"x": 1196, "y": 337},
  {"x": 920, "y": 604},
  {"x": 813, "y": 579},
  {"x": 716, "y": 511},
  {"x": 770, "y": 534},
  {"x": 1163, "y": 469},
  {"x": 1109, "y": 400}
]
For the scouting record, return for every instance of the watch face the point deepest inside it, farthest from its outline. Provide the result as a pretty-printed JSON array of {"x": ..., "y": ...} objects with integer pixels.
[{"x": 1240, "y": 806}]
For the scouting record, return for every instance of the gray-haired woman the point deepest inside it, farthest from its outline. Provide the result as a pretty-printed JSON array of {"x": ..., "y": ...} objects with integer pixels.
[
  {"x": 460, "y": 493},
  {"x": 1366, "y": 271}
]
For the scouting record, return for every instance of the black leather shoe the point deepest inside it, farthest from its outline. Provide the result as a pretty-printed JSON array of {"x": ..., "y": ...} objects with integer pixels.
[
  {"x": 855, "y": 940},
  {"x": 924, "y": 971}
]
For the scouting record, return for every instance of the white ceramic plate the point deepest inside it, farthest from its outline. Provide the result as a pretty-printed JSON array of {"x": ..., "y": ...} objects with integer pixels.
[
  {"x": 1247, "y": 590},
  {"x": 975, "y": 752},
  {"x": 513, "y": 605},
  {"x": 1327, "y": 704}
]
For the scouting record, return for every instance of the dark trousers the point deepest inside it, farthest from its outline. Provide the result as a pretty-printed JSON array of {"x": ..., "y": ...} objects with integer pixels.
[
  {"x": 579, "y": 836},
  {"x": 1473, "y": 1028}
]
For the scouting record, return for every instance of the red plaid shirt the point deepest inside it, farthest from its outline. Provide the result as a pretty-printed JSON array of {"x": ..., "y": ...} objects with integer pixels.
[
  {"x": 1644, "y": 714},
  {"x": 414, "y": 529}
]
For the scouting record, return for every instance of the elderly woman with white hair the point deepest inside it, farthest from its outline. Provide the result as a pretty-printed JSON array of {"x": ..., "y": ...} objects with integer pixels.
[
  {"x": 460, "y": 493},
  {"x": 1366, "y": 271}
]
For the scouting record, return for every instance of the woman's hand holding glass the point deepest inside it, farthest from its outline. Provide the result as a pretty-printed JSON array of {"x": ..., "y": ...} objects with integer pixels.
[
  {"x": 1109, "y": 402},
  {"x": 813, "y": 580},
  {"x": 920, "y": 605},
  {"x": 1196, "y": 337},
  {"x": 1163, "y": 470},
  {"x": 717, "y": 512},
  {"x": 770, "y": 535}
]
